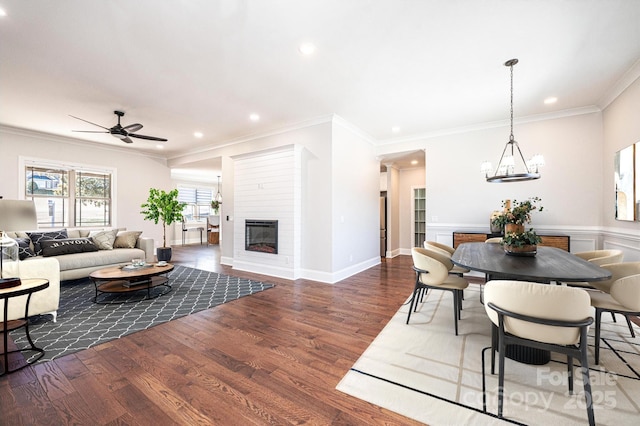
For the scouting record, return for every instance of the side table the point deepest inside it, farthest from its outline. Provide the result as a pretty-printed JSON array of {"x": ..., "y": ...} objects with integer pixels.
[{"x": 28, "y": 287}]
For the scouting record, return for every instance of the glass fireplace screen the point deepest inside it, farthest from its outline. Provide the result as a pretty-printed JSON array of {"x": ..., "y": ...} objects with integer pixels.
[{"x": 261, "y": 236}]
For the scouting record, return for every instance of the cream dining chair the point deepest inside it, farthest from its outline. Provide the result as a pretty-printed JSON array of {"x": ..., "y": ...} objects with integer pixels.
[
  {"x": 597, "y": 257},
  {"x": 553, "y": 318},
  {"x": 432, "y": 272},
  {"x": 622, "y": 297},
  {"x": 447, "y": 251}
]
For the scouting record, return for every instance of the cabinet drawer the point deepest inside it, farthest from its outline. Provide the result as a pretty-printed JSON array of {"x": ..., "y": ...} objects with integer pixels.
[
  {"x": 560, "y": 242},
  {"x": 459, "y": 238}
]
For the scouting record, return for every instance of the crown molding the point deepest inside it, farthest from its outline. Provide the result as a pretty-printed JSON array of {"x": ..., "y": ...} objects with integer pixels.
[
  {"x": 591, "y": 109},
  {"x": 19, "y": 131},
  {"x": 620, "y": 86},
  {"x": 285, "y": 129}
]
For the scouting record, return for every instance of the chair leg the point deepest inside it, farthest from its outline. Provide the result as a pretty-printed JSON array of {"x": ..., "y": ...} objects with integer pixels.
[
  {"x": 456, "y": 303},
  {"x": 484, "y": 382},
  {"x": 502, "y": 350},
  {"x": 633, "y": 334},
  {"x": 613, "y": 317},
  {"x": 494, "y": 347},
  {"x": 570, "y": 373},
  {"x": 584, "y": 361},
  {"x": 598, "y": 320},
  {"x": 413, "y": 299}
]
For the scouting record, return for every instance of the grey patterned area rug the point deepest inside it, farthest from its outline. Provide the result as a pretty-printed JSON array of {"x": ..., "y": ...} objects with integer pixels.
[{"x": 82, "y": 324}]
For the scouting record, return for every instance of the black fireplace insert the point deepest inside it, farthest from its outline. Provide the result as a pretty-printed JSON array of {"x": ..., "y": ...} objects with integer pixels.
[{"x": 261, "y": 236}]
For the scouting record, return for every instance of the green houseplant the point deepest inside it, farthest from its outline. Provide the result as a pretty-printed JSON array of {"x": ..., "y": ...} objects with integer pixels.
[
  {"x": 215, "y": 205},
  {"x": 163, "y": 207},
  {"x": 519, "y": 214},
  {"x": 521, "y": 243}
]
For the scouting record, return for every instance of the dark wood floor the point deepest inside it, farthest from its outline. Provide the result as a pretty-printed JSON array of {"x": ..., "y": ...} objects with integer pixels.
[{"x": 271, "y": 358}]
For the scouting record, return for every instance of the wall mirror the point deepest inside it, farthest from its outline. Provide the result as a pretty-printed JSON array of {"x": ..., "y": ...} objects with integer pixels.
[{"x": 627, "y": 179}]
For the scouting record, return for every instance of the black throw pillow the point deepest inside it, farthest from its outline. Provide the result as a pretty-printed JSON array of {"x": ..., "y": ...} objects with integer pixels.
[
  {"x": 67, "y": 246},
  {"x": 24, "y": 248},
  {"x": 37, "y": 237}
]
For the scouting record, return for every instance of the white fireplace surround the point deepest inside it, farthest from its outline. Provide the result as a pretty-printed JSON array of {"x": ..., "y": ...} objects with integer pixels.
[{"x": 267, "y": 186}]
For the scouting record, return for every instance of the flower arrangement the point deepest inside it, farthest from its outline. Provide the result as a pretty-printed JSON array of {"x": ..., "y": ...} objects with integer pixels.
[
  {"x": 521, "y": 239},
  {"x": 519, "y": 214}
]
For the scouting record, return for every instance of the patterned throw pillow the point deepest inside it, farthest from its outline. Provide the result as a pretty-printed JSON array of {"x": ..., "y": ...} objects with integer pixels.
[
  {"x": 67, "y": 246},
  {"x": 126, "y": 239},
  {"x": 24, "y": 248},
  {"x": 36, "y": 237},
  {"x": 104, "y": 239}
]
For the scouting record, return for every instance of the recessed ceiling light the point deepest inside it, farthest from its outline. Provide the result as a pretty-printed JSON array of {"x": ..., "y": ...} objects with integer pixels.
[
  {"x": 307, "y": 48},
  {"x": 395, "y": 129},
  {"x": 160, "y": 146},
  {"x": 551, "y": 100},
  {"x": 254, "y": 117},
  {"x": 414, "y": 162},
  {"x": 198, "y": 134},
  {"x": 3, "y": 12}
]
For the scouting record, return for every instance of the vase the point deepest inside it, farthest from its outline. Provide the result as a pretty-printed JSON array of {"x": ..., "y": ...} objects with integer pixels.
[
  {"x": 513, "y": 227},
  {"x": 528, "y": 250}
]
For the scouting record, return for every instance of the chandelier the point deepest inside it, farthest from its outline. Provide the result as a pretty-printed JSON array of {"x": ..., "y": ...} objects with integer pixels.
[
  {"x": 218, "y": 196},
  {"x": 507, "y": 170}
]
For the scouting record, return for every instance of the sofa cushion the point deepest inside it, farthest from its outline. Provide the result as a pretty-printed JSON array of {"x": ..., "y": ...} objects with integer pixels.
[
  {"x": 24, "y": 248},
  {"x": 67, "y": 246},
  {"x": 37, "y": 237},
  {"x": 103, "y": 239},
  {"x": 126, "y": 239}
]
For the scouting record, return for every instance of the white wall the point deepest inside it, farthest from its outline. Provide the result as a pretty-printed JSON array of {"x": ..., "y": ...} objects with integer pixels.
[
  {"x": 135, "y": 173},
  {"x": 355, "y": 182},
  {"x": 621, "y": 129}
]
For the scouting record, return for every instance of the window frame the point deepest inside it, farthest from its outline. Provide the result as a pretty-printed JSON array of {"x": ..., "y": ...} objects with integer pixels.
[{"x": 28, "y": 162}]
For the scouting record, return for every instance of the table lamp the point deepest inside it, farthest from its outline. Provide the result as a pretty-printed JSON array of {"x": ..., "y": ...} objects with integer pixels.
[{"x": 8, "y": 254}]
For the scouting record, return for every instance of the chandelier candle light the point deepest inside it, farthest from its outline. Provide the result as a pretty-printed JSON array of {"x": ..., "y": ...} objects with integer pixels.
[{"x": 506, "y": 170}]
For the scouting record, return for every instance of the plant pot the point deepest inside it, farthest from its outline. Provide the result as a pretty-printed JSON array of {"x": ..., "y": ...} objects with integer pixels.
[
  {"x": 528, "y": 250},
  {"x": 163, "y": 254},
  {"x": 512, "y": 227}
]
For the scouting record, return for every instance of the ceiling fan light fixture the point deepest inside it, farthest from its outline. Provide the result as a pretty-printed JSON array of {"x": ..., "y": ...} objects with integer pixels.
[{"x": 506, "y": 169}]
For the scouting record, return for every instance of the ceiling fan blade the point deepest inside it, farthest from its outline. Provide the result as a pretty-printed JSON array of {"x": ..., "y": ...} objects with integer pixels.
[
  {"x": 133, "y": 127},
  {"x": 82, "y": 119},
  {"x": 151, "y": 138},
  {"x": 89, "y": 131},
  {"x": 126, "y": 140}
]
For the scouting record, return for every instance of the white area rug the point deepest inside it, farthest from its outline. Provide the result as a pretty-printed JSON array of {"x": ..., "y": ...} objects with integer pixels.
[{"x": 425, "y": 372}]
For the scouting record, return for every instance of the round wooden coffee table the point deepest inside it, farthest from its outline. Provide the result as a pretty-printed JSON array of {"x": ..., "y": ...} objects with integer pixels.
[{"x": 128, "y": 279}]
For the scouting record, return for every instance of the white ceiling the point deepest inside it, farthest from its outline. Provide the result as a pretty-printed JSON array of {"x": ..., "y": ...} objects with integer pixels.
[{"x": 424, "y": 66}]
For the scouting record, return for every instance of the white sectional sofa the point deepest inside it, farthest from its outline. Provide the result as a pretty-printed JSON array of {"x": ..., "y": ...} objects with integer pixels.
[
  {"x": 115, "y": 246},
  {"x": 79, "y": 265}
]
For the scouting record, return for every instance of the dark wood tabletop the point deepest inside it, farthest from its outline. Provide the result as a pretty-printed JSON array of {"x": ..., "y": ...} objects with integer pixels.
[{"x": 550, "y": 264}]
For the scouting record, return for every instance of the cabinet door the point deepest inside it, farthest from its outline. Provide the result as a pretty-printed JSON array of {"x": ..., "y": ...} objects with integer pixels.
[{"x": 463, "y": 237}]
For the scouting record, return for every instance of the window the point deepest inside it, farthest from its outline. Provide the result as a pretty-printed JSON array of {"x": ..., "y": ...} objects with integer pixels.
[
  {"x": 198, "y": 202},
  {"x": 69, "y": 196}
]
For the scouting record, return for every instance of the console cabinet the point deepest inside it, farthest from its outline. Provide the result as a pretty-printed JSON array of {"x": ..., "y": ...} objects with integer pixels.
[{"x": 550, "y": 240}]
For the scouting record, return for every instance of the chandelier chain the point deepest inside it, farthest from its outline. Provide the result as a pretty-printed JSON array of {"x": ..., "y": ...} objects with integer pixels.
[{"x": 511, "y": 136}]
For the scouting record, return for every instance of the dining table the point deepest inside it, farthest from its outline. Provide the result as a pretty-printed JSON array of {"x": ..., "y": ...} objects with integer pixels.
[{"x": 549, "y": 265}]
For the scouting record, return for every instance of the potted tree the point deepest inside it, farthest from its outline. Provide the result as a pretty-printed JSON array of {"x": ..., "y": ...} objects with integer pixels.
[{"x": 165, "y": 207}]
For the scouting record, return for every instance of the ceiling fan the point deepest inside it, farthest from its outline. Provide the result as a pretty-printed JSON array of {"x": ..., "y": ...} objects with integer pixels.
[{"x": 120, "y": 132}]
